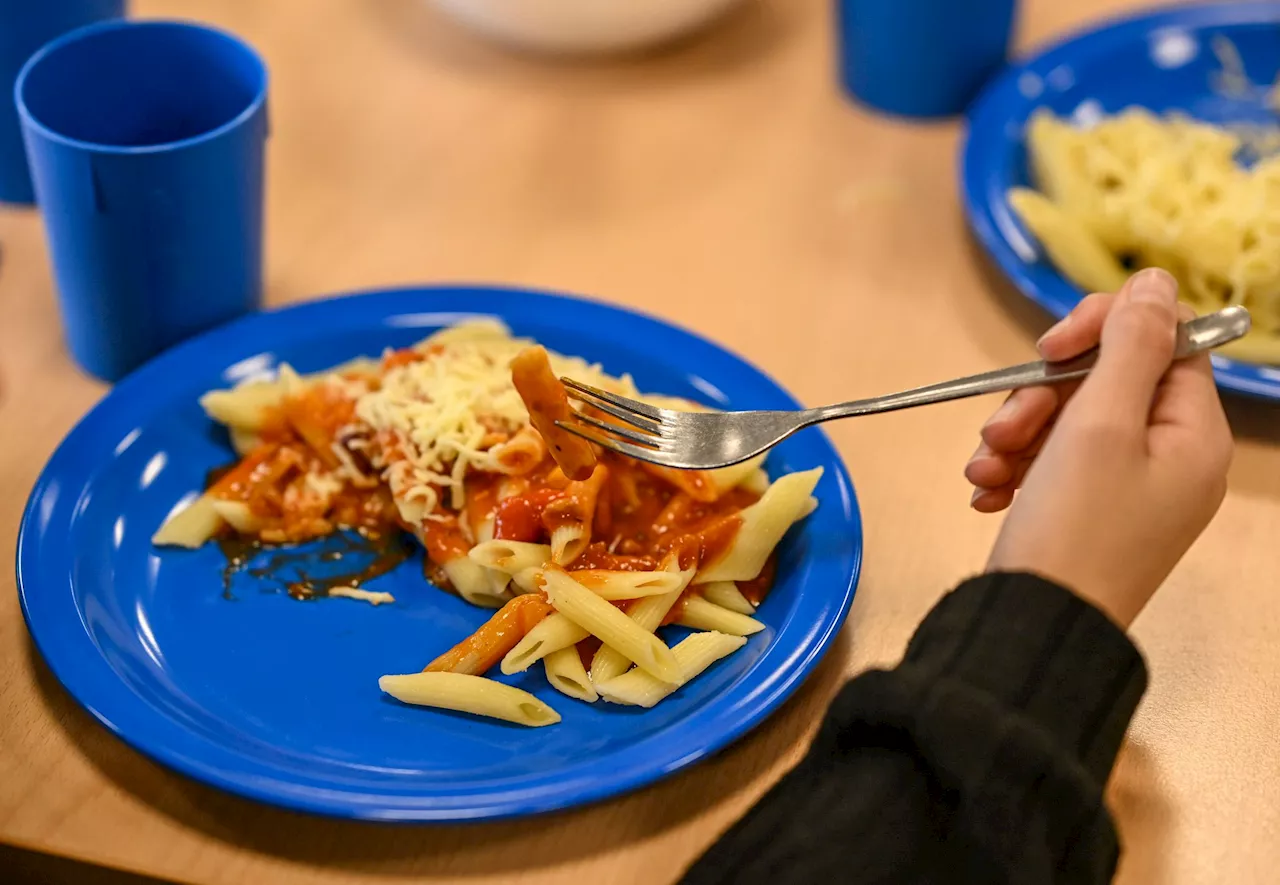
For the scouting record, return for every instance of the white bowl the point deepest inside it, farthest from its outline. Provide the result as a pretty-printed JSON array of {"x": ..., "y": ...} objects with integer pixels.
[{"x": 584, "y": 26}]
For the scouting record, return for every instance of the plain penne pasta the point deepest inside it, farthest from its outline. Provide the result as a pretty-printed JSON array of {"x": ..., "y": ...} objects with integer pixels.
[
  {"x": 609, "y": 625},
  {"x": 527, "y": 580},
  {"x": 469, "y": 694},
  {"x": 725, "y": 478},
  {"x": 614, "y": 585},
  {"x": 701, "y": 614},
  {"x": 510, "y": 557},
  {"x": 763, "y": 525},
  {"x": 247, "y": 407},
  {"x": 551, "y": 634},
  {"x": 727, "y": 595},
  {"x": 1069, "y": 242},
  {"x": 756, "y": 482},
  {"x": 694, "y": 654},
  {"x": 567, "y": 675},
  {"x": 237, "y": 515},
  {"x": 476, "y": 584},
  {"x": 190, "y": 526},
  {"x": 648, "y": 613},
  {"x": 291, "y": 382}
]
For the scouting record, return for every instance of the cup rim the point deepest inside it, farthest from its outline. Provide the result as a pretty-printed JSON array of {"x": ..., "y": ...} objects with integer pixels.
[{"x": 88, "y": 31}]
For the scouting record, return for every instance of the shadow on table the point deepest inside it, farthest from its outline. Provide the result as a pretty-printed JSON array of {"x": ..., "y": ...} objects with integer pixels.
[
  {"x": 22, "y": 867},
  {"x": 472, "y": 849}
]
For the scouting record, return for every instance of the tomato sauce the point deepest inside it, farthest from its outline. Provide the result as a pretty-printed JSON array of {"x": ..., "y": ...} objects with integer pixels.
[
  {"x": 758, "y": 587},
  {"x": 639, "y": 516},
  {"x": 519, "y": 518},
  {"x": 444, "y": 541}
]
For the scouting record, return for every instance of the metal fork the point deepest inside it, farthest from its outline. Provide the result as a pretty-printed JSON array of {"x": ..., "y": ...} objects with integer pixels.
[{"x": 706, "y": 440}]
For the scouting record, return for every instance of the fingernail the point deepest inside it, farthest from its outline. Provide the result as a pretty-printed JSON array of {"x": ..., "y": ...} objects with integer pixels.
[
  {"x": 1007, "y": 412},
  {"x": 1055, "y": 329},
  {"x": 977, "y": 494},
  {"x": 1154, "y": 286}
]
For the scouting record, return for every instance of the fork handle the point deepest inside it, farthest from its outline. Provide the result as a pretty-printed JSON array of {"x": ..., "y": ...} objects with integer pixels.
[{"x": 1193, "y": 336}]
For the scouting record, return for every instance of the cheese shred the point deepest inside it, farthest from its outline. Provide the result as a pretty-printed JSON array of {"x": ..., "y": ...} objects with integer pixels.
[{"x": 449, "y": 412}]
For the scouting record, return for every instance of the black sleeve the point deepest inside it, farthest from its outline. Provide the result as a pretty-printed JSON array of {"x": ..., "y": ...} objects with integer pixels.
[{"x": 981, "y": 758}]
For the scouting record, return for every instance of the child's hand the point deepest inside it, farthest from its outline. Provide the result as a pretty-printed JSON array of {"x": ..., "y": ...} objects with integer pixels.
[{"x": 1118, "y": 476}]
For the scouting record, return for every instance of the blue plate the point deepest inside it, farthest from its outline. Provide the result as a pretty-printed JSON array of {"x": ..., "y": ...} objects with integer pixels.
[
  {"x": 1161, "y": 60},
  {"x": 278, "y": 700}
]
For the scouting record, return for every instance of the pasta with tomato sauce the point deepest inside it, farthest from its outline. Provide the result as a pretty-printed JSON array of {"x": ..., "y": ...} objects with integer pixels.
[{"x": 575, "y": 547}]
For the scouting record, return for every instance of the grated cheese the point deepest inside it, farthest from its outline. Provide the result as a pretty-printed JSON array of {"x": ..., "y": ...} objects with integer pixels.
[
  {"x": 323, "y": 485},
  {"x": 432, "y": 416},
  {"x": 373, "y": 597}
]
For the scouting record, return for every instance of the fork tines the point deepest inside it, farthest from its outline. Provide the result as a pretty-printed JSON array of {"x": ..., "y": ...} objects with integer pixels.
[{"x": 644, "y": 417}]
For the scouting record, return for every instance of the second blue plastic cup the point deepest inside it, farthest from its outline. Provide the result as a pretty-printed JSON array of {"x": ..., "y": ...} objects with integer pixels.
[
  {"x": 25, "y": 26},
  {"x": 146, "y": 142},
  {"x": 921, "y": 58}
]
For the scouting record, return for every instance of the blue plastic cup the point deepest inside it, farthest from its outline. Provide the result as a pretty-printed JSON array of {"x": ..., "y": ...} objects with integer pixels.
[
  {"x": 921, "y": 58},
  {"x": 146, "y": 141},
  {"x": 25, "y": 26}
]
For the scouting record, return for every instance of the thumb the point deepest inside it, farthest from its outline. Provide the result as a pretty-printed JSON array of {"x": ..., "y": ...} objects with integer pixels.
[{"x": 1137, "y": 349}]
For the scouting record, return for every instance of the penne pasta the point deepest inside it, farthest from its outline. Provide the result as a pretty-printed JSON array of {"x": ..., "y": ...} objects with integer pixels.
[
  {"x": 237, "y": 515},
  {"x": 246, "y": 407},
  {"x": 763, "y": 525},
  {"x": 615, "y": 585},
  {"x": 701, "y": 614},
  {"x": 290, "y": 381},
  {"x": 190, "y": 526},
  {"x": 456, "y": 441},
  {"x": 648, "y": 613},
  {"x": 694, "y": 654},
  {"x": 611, "y": 626},
  {"x": 697, "y": 484},
  {"x": 527, "y": 580},
  {"x": 475, "y": 583},
  {"x": 476, "y": 654},
  {"x": 567, "y": 675},
  {"x": 567, "y": 542},
  {"x": 570, "y": 516},
  {"x": 520, "y": 454},
  {"x": 725, "y": 478},
  {"x": 360, "y": 366},
  {"x": 243, "y": 441},
  {"x": 510, "y": 557},
  {"x": 545, "y": 399},
  {"x": 469, "y": 694},
  {"x": 727, "y": 595},
  {"x": 551, "y": 634},
  {"x": 1069, "y": 242},
  {"x": 756, "y": 482}
]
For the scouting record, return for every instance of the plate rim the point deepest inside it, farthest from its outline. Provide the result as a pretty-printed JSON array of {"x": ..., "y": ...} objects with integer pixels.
[
  {"x": 1001, "y": 103},
  {"x": 356, "y": 804}
]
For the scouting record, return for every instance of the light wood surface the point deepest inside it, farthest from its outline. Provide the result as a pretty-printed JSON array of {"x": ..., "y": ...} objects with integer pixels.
[{"x": 723, "y": 184}]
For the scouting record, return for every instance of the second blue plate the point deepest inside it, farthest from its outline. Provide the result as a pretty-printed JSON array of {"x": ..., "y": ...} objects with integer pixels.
[{"x": 1160, "y": 60}]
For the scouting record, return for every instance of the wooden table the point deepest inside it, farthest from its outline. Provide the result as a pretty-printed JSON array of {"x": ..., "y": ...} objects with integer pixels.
[{"x": 724, "y": 185}]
